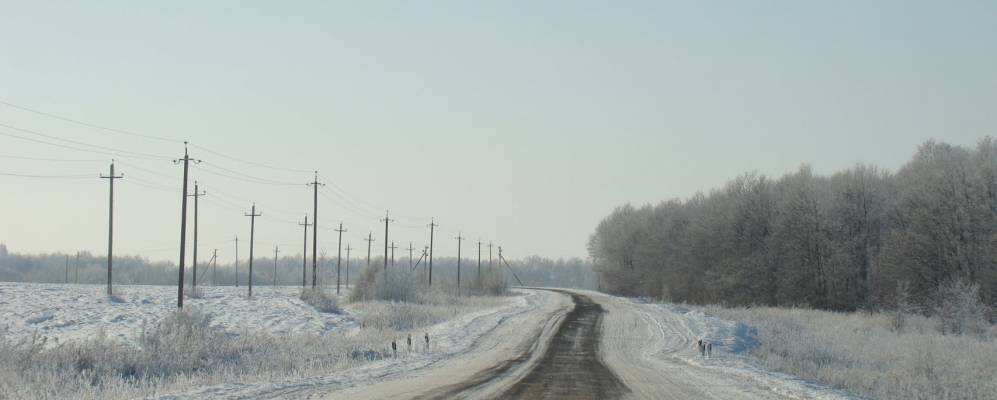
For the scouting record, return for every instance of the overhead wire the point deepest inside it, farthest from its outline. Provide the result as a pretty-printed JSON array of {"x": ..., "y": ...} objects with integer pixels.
[
  {"x": 78, "y": 143},
  {"x": 51, "y": 159},
  {"x": 75, "y": 121},
  {"x": 77, "y": 176}
]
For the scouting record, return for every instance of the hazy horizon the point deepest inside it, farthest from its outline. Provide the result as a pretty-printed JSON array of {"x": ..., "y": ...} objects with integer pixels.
[{"x": 517, "y": 123}]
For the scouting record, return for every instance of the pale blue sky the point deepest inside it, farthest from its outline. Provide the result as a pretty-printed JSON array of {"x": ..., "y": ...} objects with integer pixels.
[{"x": 523, "y": 123}]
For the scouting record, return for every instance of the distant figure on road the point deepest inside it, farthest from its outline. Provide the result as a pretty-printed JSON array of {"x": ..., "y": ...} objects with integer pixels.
[
  {"x": 427, "y": 342},
  {"x": 394, "y": 348},
  {"x": 701, "y": 348},
  {"x": 709, "y": 349},
  {"x": 409, "y": 342}
]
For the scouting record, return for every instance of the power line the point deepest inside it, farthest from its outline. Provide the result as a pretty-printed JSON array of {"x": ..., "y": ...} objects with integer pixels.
[
  {"x": 52, "y": 159},
  {"x": 78, "y": 176},
  {"x": 104, "y": 148},
  {"x": 116, "y": 155},
  {"x": 75, "y": 121}
]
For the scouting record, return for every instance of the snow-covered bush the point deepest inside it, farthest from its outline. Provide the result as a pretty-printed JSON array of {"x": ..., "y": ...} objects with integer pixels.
[
  {"x": 960, "y": 310},
  {"x": 321, "y": 299}
]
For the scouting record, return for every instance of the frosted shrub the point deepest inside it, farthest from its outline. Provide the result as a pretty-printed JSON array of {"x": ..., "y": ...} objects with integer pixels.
[
  {"x": 321, "y": 300},
  {"x": 960, "y": 310},
  {"x": 491, "y": 282}
]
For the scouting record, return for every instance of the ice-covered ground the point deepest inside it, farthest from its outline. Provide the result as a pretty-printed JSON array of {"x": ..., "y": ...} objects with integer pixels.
[{"x": 63, "y": 312}]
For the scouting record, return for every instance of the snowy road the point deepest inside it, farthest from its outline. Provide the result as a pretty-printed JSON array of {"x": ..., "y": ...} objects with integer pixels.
[{"x": 588, "y": 345}]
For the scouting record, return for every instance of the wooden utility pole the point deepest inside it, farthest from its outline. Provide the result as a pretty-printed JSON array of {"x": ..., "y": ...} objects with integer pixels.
[
  {"x": 110, "y": 222},
  {"x": 370, "y": 239},
  {"x": 489, "y": 256},
  {"x": 275, "y": 267},
  {"x": 348, "y": 248},
  {"x": 315, "y": 186},
  {"x": 410, "y": 249},
  {"x": 236, "y": 261},
  {"x": 304, "y": 254},
  {"x": 459, "y": 240},
  {"x": 252, "y": 232},
  {"x": 432, "y": 227},
  {"x": 197, "y": 194},
  {"x": 502, "y": 259},
  {"x": 386, "y": 221},
  {"x": 393, "y": 247},
  {"x": 339, "y": 255},
  {"x": 183, "y": 223},
  {"x": 214, "y": 268},
  {"x": 479, "y": 259}
]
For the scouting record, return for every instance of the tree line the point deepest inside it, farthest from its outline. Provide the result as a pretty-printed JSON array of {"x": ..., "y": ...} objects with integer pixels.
[
  {"x": 844, "y": 241},
  {"x": 51, "y": 268}
]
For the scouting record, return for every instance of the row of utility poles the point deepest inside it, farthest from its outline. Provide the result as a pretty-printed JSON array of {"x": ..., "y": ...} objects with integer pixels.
[{"x": 186, "y": 160}]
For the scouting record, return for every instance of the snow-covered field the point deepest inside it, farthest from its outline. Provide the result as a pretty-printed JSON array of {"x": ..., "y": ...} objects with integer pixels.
[
  {"x": 62, "y": 312},
  {"x": 61, "y": 340}
]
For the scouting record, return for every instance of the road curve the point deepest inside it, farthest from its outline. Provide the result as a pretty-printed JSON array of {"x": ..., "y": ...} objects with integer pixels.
[{"x": 568, "y": 368}]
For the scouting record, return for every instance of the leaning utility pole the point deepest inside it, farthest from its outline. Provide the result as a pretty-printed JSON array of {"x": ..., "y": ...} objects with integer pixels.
[
  {"x": 502, "y": 259},
  {"x": 432, "y": 227},
  {"x": 370, "y": 239},
  {"x": 315, "y": 184},
  {"x": 386, "y": 221},
  {"x": 348, "y": 248},
  {"x": 459, "y": 239},
  {"x": 197, "y": 194},
  {"x": 110, "y": 223},
  {"x": 304, "y": 254},
  {"x": 393, "y": 247},
  {"x": 410, "y": 248},
  {"x": 236, "y": 261},
  {"x": 252, "y": 231},
  {"x": 275, "y": 266},
  {"x": 183, "y": 223},
  {"x": 339, "y": 255}
]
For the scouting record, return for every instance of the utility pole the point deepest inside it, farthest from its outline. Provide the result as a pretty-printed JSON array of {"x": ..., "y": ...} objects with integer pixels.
[
  {"x": 370, "y": 239},
  {"x": 339, "y": 254},
  {"x": 214, "y": 269},
  {"x": 348, "y": 248},
  {"x": 479, "y": 260},
  {"x": 252, "y": 231},
  {"x": 489, "y": 256},
  {"x": 183, "y": 223},
  {"x": 77, "y": 278},
  {"x": 315, "y": 185},
  {"x": 410, "y": 255},
  {"x": 432, "y": 227},
  {"x": 459, "y": 240},
  {"x": 304, "y": 254},
  {"x": 110, "y": 223},
  {"x": 236, "y": 261},
  {"x": 386, "y": 221},
  {"x": 275, "y": 267},
  {"x": 197, "y": 194},
  {"x": 502, "y": 259},
  {"x": 67, "y": 268},
  {"x": 393, "y": 247}
]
